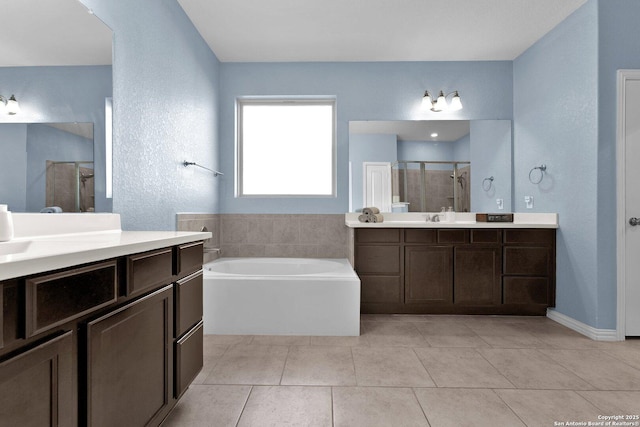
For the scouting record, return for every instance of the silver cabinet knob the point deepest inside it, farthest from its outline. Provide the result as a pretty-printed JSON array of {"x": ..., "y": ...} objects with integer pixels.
[{"x": 634, "y": 221}]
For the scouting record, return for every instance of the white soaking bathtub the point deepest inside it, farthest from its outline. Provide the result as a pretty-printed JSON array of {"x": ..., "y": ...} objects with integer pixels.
[{"x": 281, "y": 296}]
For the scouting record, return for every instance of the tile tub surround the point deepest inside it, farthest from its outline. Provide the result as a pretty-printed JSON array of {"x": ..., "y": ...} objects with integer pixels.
[
  {"x": 272, "y": 235},
  {"x": 415, "y": 370}
]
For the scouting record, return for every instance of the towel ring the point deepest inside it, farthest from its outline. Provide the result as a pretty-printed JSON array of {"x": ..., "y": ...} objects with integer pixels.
[
  {"x": 542, "y": 169},
  {"x": 486, "y": 181}
]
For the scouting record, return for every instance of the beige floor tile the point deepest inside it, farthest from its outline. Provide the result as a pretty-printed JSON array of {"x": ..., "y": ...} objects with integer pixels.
[
  {"x": 471, "y": 341},
  {"x": 202, "y": 404},
  {"x": 376, "y": 406},
  {"x": 287, "y": 406},
  {"x": 530, "y": 369},
  {"x": 460, "y": 367},
  {"x": 249, "y": 364},
  {"x": 523, "y": 340},
  {"x": 227, "y": 339},
  {"x": 614, "y": 402},
  {"x": 280, "y": 340},
  {"x": 630, "y": 356},
  {"x": 392, "y": 334},
  {"x": 602, "y": 371},
  {"x": 447, "y": 407},
  {"x": 340, "y": 341},
  {"x": 211, "y": 354},
  {"x": 380, "y": 366},
  {"x": 543, "y": 408},
  {"x": 319, "y": 365}
]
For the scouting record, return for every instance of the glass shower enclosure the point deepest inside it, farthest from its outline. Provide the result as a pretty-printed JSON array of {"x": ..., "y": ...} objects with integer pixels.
[{"x": 428, "y": 186}]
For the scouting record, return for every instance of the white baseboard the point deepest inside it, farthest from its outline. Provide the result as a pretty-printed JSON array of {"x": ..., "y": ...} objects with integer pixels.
[{"x": 586, "y": 330}]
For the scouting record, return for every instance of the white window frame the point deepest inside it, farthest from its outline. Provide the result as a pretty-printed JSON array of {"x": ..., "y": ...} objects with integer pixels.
[{"x": 241, "y": 102}]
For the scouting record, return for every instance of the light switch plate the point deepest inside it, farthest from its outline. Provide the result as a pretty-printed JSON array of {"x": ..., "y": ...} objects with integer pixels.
[
  {"x": 500, "y": 203},
  {"x": 528, "y": 201}
]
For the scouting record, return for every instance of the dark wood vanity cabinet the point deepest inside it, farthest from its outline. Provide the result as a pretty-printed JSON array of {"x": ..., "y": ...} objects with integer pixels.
[
  {"x": 108, "y": 343},
  {"x": 465, "y": 271}
]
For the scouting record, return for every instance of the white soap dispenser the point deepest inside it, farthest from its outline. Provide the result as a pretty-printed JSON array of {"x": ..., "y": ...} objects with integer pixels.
[
  {"x": 6, "y": 224},
  {"x": 450, "y": 215}
]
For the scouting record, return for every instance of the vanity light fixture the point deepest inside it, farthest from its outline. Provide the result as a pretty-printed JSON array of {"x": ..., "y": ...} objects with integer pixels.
[
  {"x": 9, "y": 106},
  {"x": 440, "y": 103}
]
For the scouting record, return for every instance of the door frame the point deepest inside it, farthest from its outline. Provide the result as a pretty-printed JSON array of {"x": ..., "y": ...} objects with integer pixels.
[{"x": 621, "y": 221}]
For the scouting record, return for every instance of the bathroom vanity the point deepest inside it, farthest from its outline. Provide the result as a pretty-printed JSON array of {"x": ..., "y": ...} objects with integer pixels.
[
  {"x": 409, "y": 265},
  {"x": 101, "y": 327}
]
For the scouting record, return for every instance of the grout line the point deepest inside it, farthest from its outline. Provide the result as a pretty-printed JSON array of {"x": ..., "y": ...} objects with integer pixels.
[
  {"x": 413, "y": 390},
  {"x": 244, "y": 406}
]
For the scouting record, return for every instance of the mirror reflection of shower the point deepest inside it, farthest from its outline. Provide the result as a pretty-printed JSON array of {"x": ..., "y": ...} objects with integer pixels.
[
  {"x": 428, "y": 186},
  {"x": 69, "y": 185}
]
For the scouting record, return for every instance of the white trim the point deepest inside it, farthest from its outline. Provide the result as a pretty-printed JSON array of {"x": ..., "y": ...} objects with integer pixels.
[
  {"x": 586, "y": 330},
  {"x": 622, "y": 77}
]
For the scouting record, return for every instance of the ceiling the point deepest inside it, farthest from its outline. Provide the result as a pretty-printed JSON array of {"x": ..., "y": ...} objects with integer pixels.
[
  {"x": 51, "y": 33},
  {"x": 61, "y": 32},
  {"x": 414, "y": 130},
  {"x": 374, "y": 30}
]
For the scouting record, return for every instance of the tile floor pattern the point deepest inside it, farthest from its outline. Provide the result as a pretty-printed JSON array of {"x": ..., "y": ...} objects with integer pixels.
[{"x": 415, "y": 371}]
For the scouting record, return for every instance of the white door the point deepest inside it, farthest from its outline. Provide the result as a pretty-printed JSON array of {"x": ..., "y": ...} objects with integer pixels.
[
  {"x": 629, "y": 230},
  {"x": 377, "y": 185}
]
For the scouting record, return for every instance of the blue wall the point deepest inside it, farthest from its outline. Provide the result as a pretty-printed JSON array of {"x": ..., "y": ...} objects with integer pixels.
[
  {"x": 63, "y": 94},
  {"x": 491, "y": 155},
  {"x": 556, "y": 123},
  {"x": 619, "y": 48},
  {"x": 165, "y": 91},
  {"x": 364, "y": 91}
]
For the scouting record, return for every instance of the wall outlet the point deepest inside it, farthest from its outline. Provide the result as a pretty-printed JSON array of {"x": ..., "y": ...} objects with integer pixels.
[
  {"x": 528, "y": 201},
  {"x": 500, "y": 203}
]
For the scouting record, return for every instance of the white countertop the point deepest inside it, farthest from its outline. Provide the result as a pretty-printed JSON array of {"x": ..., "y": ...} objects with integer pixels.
[
  {"x": 43, "y": 252},
  {"x": 463, "y": 220}
]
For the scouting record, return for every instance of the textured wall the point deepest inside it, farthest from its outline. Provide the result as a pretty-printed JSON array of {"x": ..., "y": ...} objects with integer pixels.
[
  {"x": 13, "y": 166},
  {"x": 364, "y": 91},
  {"x": 556, "y": 123},
  {"x": 619, "y": 48},
  {"x": 491, "y": 152},
  {"x": 165, "y": 90}
]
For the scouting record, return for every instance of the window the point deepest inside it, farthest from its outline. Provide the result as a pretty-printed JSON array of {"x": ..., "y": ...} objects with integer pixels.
[{"x": 286, "y": 147}]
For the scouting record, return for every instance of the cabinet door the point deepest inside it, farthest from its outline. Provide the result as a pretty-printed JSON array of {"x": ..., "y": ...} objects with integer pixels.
[
  {"x": 129, "y": 362},
  {"x": 477, "y": 276},
  {"x": 429, "y": 274},
  {"x": 37, "y": 387}
]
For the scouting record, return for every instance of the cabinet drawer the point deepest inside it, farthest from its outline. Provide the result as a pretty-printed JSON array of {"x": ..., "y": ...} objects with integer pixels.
[
  {"x": 420, "y": 236},
  {"x": 378, "y": 259},
  {"x": 486, "y": 236},
  {"x": 526, "y": 261},
  {"x": 453, "y": 236},
  {"x": 188, "y": 359},
  {"x": 379, "y": 235},
  {"x": 188, "y": 294},
  {"x": 530, "y": 236},
  {"x": 526, "y": 290},
  {"x": 57, "y": 298},
  {"x": 148, "y": 270},
  {"x": 378, "y": 289},
  {"x": 189, "y": 258}
]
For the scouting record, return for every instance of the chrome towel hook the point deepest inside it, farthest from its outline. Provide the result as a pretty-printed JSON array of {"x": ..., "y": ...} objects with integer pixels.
[
  {"x": 542, "y": 168},
  {"x": 487, "y": 183}
]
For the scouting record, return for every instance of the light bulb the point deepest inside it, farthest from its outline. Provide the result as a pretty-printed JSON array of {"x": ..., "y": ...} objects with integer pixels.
[
  {"x": 12, "y": 106},
  {"x": 427, "y": 102},
  {"x": 456, "y": 104},
  {"x": 441, "y": 103}
]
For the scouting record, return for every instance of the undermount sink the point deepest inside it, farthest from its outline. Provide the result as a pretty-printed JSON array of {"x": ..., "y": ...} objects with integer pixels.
[{"x": 16, "y": 247}]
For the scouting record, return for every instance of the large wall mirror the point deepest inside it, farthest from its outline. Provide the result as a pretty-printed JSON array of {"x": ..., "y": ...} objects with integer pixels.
[
  {"x": 55, "y": 56},
  {"x": 430, "y": 164}
]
